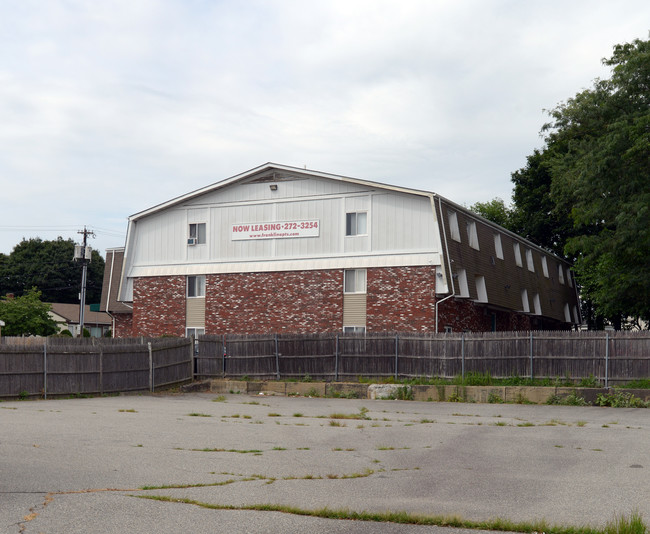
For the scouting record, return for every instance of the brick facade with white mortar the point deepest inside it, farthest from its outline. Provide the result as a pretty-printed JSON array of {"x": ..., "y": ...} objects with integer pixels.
[{"x": 398, "y": 300}]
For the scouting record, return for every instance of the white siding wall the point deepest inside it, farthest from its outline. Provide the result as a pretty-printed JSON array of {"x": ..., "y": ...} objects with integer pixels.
[{"x": 402, "y": 230}]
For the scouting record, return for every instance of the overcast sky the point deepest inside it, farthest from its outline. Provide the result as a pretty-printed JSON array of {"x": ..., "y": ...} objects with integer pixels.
[{"x": 108, "y": 108}]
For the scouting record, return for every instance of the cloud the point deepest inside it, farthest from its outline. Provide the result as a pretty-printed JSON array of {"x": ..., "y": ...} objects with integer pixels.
[{"x": 109, "y": 108}]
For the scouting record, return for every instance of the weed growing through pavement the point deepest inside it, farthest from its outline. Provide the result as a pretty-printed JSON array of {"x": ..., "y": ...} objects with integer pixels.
[{"x": 130, "y": 410}]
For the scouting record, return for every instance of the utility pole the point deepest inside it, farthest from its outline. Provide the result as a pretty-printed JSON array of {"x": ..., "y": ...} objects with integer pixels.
[{"x": 83, "y": 253}]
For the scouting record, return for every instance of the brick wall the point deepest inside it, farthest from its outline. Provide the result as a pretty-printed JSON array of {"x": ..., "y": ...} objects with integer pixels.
[
  {"x": 159, "y": 306},
  {"x": 254, "y": 303},
  {"x": 123, "y": 324},
  {"x": 401, "y": 299},
  {"x": 467, "y": 315}
]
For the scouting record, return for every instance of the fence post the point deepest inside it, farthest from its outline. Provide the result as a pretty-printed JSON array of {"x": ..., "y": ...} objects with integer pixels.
[
  {"x": 606, "y": 359},
  {"x": 101, "y": 370},
  {"x": 193, "y": 359},
  {"x": 277, "y": 358},
  {"x": 532, "y": 375},
  {"x": 223, "y": 355},
  {"x": 396, "y": 354},
  {"x": 151, "y": 384},
  {"x": 45, "y": 370},
  {"x": 336, "y": 360},
  {"x": 462, "y": 354}
]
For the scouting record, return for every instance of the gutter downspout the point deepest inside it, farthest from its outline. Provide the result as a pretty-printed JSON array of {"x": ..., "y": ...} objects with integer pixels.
[{"x": 451, "y": 278}]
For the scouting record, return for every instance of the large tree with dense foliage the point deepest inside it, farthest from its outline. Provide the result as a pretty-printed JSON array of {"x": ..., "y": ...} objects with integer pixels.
[
  {"x": 26, "y": 315},
  {"x": 49, "y": 266},
  {"x": 591, "y": 186}
]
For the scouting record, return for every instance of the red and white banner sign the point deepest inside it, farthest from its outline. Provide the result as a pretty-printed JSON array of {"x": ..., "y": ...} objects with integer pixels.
[{"x": 275, "y": 230}]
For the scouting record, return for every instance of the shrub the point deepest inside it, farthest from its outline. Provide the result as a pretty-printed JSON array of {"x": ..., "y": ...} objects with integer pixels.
[{"x": 620, "y": 399}]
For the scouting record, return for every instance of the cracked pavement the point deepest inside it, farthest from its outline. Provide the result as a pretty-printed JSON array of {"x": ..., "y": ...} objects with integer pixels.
[{"x": 79, "y": 465}]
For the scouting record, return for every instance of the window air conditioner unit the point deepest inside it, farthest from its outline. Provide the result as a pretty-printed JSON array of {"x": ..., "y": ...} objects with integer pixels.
[{"x": 191, "y": 241}]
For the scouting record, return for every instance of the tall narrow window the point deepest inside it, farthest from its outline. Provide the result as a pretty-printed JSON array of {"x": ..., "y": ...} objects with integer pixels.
[
  {"x": 453, "y": 226},
  {"x": 545, "y": 266},
  {"x": 498, "y": 248},
  {"x": 524, "y": 301},
  {"x": 537, "y": 304},
  {"x": 560, "y": 274},
  {"x": 195, "y": 286},
  {"x": 481, "y": 290},
  {"x": 356, "y": 223},
  {"x": 196, "y": 234},
  {"x": 472, "y": 236},
  {"x": 354, "y": 281},
  {"x": 463, "y": 288},
  {"x": 517, "y": 251},
  {"x": 529, "y": 260}
]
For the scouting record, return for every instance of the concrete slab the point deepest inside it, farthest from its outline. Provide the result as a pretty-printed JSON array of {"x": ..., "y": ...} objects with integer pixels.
[{"x": 78, "y": 465}]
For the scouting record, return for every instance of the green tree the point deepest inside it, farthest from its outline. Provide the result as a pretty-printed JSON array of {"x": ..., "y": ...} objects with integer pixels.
[
  {"x": 49, "y": 266},
  {"x": 26, "y": 315},
  {"x": 601, "y": 179},
  {"x": 535, "y": 215},
  {"x": 494, "y": 210}
]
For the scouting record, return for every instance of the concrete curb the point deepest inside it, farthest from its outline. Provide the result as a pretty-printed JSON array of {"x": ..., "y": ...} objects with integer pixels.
[{"x": 480, "y": 394}]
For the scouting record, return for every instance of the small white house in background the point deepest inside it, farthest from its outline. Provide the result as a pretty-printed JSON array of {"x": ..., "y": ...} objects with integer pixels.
[
  {"x": 67, "y": 315},
  {"x": 1, "y": 325}
]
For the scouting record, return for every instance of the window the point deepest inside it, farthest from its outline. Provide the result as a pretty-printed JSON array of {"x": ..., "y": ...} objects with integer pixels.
[
  {"x": 529, "y": 260},
  {"x": 567, "y": 313},
  {"x": 196, "y": 234},
  {"x": 463, "y": 288},
  {"x": 537, "y": 304},
  {"x": 354, "y": 281},
  {"x": 576, "y": 317},
  {"x": 498, "y": 248},
  {"x": 356, "y": 223},
  {"x": 354, "y": 329},
  {"x": 481, "y": 290},
  {"x": 472, "y": 236},
  {"x": 524, "y": 301},
  {"x": 569, "y": 278},
  {"x": 517, "y": 250},
  {"x": 195, "y": 333},
  {"x": 453, "y": 225},
  {"x": 560, "y": 275},
  {"x": 544, "y": 266},
  {"x": 195, "y": 286},
  {"x": 448, "y": 329}
]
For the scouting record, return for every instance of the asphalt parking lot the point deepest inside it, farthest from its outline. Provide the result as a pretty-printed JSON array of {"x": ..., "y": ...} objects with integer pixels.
[{"x": 80, "y": 465}]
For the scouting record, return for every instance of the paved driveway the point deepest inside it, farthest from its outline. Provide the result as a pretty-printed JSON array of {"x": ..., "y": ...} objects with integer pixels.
[{"x": 78, "y": 465}]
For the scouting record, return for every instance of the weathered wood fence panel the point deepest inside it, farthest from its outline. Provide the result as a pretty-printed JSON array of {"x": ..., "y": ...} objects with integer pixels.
[
  {"x": 70, "y": 366},
  {"x": 90, "y": 366},
  {"x": 609, "y": 357}
]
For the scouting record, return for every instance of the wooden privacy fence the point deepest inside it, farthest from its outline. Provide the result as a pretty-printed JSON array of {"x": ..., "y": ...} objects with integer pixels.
[
  {"x": 607, "y": 356},
  {"x": 60, "y": 366}
]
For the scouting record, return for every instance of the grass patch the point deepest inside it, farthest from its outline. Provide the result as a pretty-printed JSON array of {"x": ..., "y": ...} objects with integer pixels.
[
  {"x": 220, "y": 398},
  {"x": 238, "y": 451},
  {"x": 130, "y": 410},
  {"x": 197, "y": 414},
  {"x": 631, "y": 525}
]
